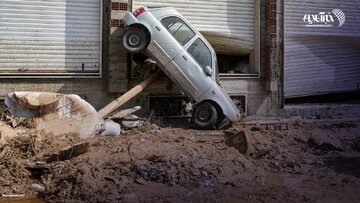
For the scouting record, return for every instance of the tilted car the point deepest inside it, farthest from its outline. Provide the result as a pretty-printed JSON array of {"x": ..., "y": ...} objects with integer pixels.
[{"x": 184, "y": 56}]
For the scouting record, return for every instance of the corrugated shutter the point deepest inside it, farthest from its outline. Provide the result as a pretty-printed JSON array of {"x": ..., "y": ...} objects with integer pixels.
[
  {"x": 60, "y": 37},
  {"x": 321, "y": 60},
  {"x": 227, "y": 24}
]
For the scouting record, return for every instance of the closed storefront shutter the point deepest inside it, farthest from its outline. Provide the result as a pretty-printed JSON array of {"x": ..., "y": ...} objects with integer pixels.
[
  {"x": 50, "y": 37},
  {"x": 227, "y": 24},
  {"x": 321, "y": 60}
]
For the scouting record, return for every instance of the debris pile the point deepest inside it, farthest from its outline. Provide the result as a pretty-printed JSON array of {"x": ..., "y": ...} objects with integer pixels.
[{"x": 260, "y": 162}]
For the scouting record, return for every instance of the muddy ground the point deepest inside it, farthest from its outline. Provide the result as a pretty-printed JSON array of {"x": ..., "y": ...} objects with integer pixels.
[{"x": 315, "y": 161}]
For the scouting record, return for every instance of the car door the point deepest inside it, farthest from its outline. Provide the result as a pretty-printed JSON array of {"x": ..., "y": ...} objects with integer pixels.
[
  {"x": 169, "y": 38},
  {"x": 189, "y": 66}
]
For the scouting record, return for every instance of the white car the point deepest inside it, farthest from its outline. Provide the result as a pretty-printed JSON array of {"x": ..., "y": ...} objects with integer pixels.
[{"x": 185, "y": 56}]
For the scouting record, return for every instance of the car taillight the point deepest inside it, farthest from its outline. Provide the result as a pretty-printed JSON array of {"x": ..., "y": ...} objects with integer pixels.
[{"x": 138, "y": 11}]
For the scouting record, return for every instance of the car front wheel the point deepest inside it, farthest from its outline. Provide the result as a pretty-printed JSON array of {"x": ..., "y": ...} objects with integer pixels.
[
  {"x": 134, "y": 40},
  {"x": 205, "y": 115}
]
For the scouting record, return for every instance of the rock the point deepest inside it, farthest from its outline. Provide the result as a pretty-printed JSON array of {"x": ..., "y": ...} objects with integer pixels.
[
  {"x": 262, "y": 152},
  {"x": 229, "y": 132},
  {"x": 297, "y": 121},
  {"x": 3, "y": 143},
  {"x": 204, "y": 173},
  {"x": 229, "y": 184},
  {"x": 308, "y": 161},
  {"x": 155, "y": 132},
  {"x": 256, "y": 128},
  {"x": 298, "y": 139},
  {"x": 38, "y": 187},
  {"x": 140, "y": 181},
  {"x": 239, "y": 141},
  {"x": 207, "y": 183},
  {"x": 7, "y": 132},
  {"x": 155, "y": 127},
  {"x": 326, "y": 145}
]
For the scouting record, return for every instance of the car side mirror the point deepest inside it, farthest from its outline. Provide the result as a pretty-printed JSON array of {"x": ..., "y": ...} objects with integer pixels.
[{"x": 208, "y": 70}]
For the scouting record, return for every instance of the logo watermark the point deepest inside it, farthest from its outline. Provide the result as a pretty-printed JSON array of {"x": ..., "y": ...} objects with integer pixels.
[{"x": 325, "y": 19}]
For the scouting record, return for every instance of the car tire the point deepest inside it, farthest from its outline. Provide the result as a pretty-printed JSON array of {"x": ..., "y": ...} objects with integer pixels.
[
  {"x": 205, "y": 115},
  {"x": 134, "y": 40}
]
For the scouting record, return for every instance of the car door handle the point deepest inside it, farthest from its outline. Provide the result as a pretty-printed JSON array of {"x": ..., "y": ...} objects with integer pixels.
[
  {"x": 157, "y": 28},
  {"x": 184, "y": 57}
]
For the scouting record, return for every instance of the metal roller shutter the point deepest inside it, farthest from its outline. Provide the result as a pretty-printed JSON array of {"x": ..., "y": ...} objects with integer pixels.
[
  {"x": 50, "y": 37},
  {"x": 227, "y": 24},
  {"x": 321, "y": 60}
]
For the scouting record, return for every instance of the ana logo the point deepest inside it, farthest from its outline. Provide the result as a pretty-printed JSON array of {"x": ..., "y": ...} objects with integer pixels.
[{"x": 325, "y": 19}]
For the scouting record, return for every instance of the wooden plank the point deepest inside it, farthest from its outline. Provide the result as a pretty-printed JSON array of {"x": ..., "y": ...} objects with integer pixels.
[{"x": 127, "y": 96}]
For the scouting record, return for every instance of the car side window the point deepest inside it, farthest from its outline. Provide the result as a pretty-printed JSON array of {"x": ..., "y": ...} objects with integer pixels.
[
  {"x": 177, "y": 27},
  {"x": 200, "y": 52}
]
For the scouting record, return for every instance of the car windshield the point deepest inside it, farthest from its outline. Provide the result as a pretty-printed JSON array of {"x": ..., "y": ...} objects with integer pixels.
[
  {"x": 201, "y": 53},
  {"x": 177, "y": 27}
]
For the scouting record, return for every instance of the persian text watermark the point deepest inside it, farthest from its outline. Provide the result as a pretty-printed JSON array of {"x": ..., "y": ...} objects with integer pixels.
[{"x": 335, "y": 18}]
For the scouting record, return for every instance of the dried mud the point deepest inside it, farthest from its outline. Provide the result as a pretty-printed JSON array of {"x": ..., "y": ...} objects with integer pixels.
[{"x": 315, "y": 162}]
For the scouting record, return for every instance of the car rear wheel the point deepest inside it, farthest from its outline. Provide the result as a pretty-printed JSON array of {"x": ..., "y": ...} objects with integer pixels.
[
  {"x": 134, "y": 40},
  {"x": 205, "y": 115}
]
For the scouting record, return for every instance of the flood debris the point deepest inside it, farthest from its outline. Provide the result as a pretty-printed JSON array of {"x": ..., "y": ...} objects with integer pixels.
[
  {"x": 239, "y": 141},
  {"x": 169, "y": 164},
  {"x": 38, "y": 187},
  {"x": 325, "y": 145},
  {"x": 56, "y": 113},
  {"x": 68, "y": 152},
  {"x": 131, "y": 121},
  {"x": 111, "y": 128},
  {"x": 123, "y": 113}
]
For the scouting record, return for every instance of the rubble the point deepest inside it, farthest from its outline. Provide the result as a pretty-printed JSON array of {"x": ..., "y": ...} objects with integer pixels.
[
  {"x": 309, "y": 162},
  {"x": 121, "y": 114},
  {"x": 131, "y": 121},
  {"x": 68, "y": 152},
  {"x": 55, "y": 113},
  {"x": 239, "y": 141}
]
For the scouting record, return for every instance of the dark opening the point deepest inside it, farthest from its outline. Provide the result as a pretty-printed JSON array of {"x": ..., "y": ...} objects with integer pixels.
[
  {"x": 233, "y": 64},
  {"x": 349, "y": 97},
  {"x": 165, "y": 106}
]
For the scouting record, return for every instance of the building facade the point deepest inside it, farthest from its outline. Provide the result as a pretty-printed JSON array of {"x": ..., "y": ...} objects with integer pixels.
[{"x": 75, "y": 47}]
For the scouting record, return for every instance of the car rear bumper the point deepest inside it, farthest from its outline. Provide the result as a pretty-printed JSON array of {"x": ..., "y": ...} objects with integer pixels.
[{"x": 129, "y": 19}]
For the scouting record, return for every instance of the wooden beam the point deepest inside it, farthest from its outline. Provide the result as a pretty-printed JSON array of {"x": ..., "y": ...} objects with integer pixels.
[{"x": 127, "y": 96}]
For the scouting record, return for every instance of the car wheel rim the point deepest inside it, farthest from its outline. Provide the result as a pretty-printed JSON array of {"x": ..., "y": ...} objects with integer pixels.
[
  {"x": 204, "y": 115},
  {"x": 134, "y": 40}
]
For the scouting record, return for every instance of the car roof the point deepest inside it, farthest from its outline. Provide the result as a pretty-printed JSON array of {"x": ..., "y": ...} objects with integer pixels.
[{"x": 158, "y": 12}]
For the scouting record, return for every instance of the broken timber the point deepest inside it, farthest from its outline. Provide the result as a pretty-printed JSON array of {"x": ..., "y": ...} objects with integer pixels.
[
  {"x": 123, "y": 113},
  {"x": 128, "y": 95}
]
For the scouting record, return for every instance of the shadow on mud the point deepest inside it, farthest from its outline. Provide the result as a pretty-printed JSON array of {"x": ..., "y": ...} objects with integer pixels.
[{"x": 345, "y": 165}]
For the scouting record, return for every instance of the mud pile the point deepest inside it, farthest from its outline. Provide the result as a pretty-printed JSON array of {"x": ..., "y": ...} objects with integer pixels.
[{"x": 294, "y": 162}]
